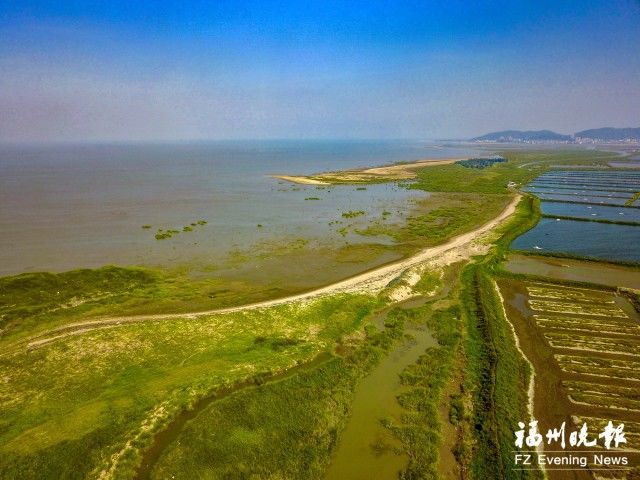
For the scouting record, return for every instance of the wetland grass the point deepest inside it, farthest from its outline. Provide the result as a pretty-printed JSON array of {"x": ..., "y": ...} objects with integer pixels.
[
  {"x": 316, "y": 402},
  {"x": 353, "y": 213},
  {"x": 162, "y": 234},
  {"x": 632, "y": 200},
  {"x": 135, "y": 378}
]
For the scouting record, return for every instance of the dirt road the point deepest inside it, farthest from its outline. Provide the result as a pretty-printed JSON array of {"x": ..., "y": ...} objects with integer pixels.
[{"x": 458, "y": 248}]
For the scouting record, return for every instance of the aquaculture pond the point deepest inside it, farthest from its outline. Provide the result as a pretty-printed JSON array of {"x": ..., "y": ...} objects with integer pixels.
[
  {"x": 586, "y": 195},
  {"x": 596, "y": 179},
  {"x": 577, "y": 192},
  {"x": 592, "y": 212},
  {"x": 633, "y": 164},
  {"x": 593, "y": 177},
  {"x": 611, "y": 187},
  {"x": 598, "y": 200},
  {"x": 582, "y": 344},
  {"x": 576, "y": 270},
  {"x": 590, "y": 239}
]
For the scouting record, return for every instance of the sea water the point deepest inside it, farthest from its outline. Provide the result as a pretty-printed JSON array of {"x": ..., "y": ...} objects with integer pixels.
[{"x": 71, "y": 206}]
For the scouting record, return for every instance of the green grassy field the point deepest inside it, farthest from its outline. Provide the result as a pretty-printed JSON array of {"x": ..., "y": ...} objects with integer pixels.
[
  {"x": 521, "y": 167},
  {"x": 32, "y": 302}
]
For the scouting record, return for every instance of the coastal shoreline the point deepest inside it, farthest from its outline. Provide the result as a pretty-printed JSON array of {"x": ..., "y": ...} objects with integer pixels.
[
  {"x": 397, "y": 171},
  {"x": 459, "y": 248}
]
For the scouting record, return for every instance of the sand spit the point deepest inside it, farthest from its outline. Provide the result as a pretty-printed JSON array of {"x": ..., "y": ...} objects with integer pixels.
[
  {"x": 300, "y": 180},
  {"x": 400, "y": 171}
]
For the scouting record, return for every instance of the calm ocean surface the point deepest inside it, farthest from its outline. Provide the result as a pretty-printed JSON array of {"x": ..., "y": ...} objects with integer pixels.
[{"x": 64, "y": 207}]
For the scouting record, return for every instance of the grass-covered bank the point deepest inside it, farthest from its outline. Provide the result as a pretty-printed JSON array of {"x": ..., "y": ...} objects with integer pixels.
[
  {"x": 32, "y": 302},
  {"x": 497, "y": 381},
  {"x": 497, "y": 376}
]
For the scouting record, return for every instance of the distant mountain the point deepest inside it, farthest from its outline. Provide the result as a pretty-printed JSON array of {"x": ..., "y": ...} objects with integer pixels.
[
  {"x": 610, "y": 134},
  {"x": 518, "y": 136},
  {"x": 596, "y": 135}
]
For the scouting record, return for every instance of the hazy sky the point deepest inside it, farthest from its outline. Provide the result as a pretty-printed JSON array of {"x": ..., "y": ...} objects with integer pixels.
[{"x": 164, "y": 70}]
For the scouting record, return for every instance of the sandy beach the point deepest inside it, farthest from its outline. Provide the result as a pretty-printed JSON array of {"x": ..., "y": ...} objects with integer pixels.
[{"x": 400, "y": 171}]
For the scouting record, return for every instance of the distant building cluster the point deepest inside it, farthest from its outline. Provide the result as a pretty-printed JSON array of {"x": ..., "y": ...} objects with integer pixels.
[
  {"x": 588, "y": 140},
  {"x": 523, "y": 140}
]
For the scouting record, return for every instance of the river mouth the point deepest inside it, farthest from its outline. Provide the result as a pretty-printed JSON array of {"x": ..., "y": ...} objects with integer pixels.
[{"x": 366, "y": 448}]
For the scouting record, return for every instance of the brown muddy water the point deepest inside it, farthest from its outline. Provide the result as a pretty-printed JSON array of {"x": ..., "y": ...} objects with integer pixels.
[
  {"x": 600, "y": 273},
  {"x": 366, "y": 449},
  {"x": 83, "y": 206}
]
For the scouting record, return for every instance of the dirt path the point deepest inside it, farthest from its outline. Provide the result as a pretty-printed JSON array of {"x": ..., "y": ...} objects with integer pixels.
[{"x": 458, "y": 248}]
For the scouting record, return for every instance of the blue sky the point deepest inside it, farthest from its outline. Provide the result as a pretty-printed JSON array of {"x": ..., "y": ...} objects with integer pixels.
[{"x": 171, "y": 70}]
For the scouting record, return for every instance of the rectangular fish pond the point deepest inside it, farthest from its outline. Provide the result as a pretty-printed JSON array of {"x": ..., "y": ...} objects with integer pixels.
[{"x": 577, "y": 220}]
